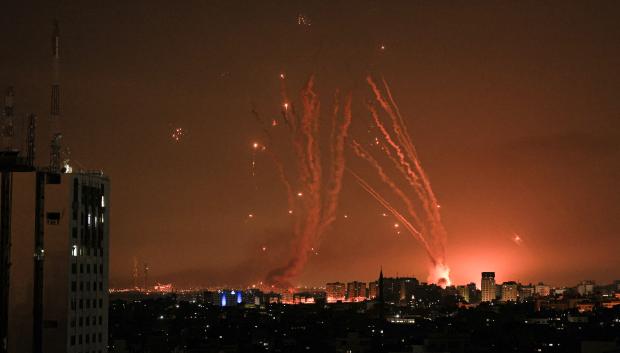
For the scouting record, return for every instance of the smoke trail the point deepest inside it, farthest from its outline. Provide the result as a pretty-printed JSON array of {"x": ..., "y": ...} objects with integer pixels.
[
  {"x": 402, "y": 219},
  {"x": 338, "y": 136},
  {"x": 404, "y": 138},
  {"x": 317, "y": 200},
  {"x": 361, "y": 152},
  {"x": 401, "y": 152}
]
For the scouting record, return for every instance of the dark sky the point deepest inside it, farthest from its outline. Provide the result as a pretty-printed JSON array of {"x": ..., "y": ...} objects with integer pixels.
[{"x": 513, "y": 106}]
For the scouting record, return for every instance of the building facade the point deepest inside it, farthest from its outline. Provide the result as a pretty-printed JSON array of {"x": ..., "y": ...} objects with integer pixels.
[
  {"x": 585, "y": 288},
  {"x": 356, "y": 291},
  {"x": 75, "y": 263},
  {"x": 542, "y": 290},
  {"x": 373, "y": 288},
  {"x": 510, "y": 292},
  {"x": 487, "y": 284},
  {"x": 463, "y": 292},
  {"x": 335, "y": 292}
]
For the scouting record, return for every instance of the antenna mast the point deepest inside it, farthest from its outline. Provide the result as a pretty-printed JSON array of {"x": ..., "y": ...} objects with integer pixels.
[{"x": 55, "y": 144}]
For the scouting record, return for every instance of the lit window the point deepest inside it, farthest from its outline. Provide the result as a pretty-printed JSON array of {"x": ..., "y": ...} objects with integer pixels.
[
  {"x": 102, "y": 201},
  {"x": 74, "y": 250}
]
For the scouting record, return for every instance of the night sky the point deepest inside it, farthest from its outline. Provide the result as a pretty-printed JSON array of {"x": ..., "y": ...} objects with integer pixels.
[{"x": 513, "y": 106}]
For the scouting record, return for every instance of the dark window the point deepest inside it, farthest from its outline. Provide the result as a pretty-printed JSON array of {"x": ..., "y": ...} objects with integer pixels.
[
  {"x": 74, "y": 233},
  {"x": 80, "y": 339},
  {"x": 100, "y": 285},
  {"x": 87, "y": 338},
  {"x": 100, "y": 320},
  {"x": 73, "y": 340},
  {"x": 81, "y": 268},
  {"x": 81, "y": 322},
  {"x": 88, "y": 320},
  {"x": 87, "y": 304},
  {"x": 74, "y": 268},
  {"x": 52, "y": 178},
  {"x": 72, "y": 304},
  {"x": 81, "y": 286},
  {"x": 73, "y": 322},
  {"x": 73, "y": 286},
  {"x": 81, "y": 306},
  {"x": 101, "y": 303},
  {"x": 99, "y": 337},
  {"x": 53, "y": 218},
  {"x": 101, "y": 268}
]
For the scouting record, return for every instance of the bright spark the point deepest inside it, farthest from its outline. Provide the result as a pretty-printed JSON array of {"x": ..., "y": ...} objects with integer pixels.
[
  {"x": 303, "y": 20},
  {"x": 177, "y": 134},
  {"x": 517, "y": 239}
]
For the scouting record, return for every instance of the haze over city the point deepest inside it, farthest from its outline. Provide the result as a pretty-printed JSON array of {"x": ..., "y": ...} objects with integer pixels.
[{"x": 513, "y": 109}]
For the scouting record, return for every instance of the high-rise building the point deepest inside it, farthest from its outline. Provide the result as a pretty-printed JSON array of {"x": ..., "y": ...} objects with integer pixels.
[
  {"x": 373, "y": 290},
  {"x": 335, "y": 292},
  {"x": 407, "y": 288},
  {"x": 391, "y": 290},
  {"x": 356, "y": 291},
  {"x": 73, "y": 262},
  {"x": 510, "y": 292},
  {"x": 487, "y": 285}
]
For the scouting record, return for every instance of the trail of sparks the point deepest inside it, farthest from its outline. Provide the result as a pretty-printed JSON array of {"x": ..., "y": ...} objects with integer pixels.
[{"x": 275, "y": 158}]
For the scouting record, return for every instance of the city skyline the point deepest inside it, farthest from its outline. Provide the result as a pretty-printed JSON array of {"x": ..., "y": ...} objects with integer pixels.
[{"x": 515, "y": 120}]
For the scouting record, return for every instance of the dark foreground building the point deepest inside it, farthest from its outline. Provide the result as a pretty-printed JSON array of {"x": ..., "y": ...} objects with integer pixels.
[{"x": 73, "y": 259}]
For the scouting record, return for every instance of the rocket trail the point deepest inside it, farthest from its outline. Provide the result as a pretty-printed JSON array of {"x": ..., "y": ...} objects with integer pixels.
[
  {"x": 361, "y": 152},
  {"x": 402, "y": 219},
  {"x": 423, "y": 209},
  {"x": 317, "y": 177},
  {"x": 404, "y": 139},
  {"x": 338, "y": 136}
]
